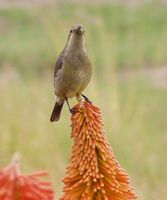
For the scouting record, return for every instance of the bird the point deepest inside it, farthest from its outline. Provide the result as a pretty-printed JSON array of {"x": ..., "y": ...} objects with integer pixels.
[{"x": 73, "y": 71}]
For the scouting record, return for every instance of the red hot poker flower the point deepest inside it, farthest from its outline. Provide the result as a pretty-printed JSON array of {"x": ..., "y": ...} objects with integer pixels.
[
  {"x": 15, "y": 186},
  {"x": 93, "y": 172}
]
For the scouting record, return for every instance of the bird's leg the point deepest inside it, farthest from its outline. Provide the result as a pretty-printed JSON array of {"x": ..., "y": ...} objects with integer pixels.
[
  {"x": 68, "y": 104},
  {"x": 72, "y": 111},
  {"x": 86, "y": 99},
  {"x": 78, "y": 97}
]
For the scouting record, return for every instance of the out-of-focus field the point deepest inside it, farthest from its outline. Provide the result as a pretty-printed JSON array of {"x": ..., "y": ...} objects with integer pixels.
[{"x": 127, "y": 46}]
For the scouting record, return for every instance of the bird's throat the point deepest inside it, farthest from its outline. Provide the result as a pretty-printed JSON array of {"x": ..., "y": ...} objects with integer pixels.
[{"x": 76, "y": 43}]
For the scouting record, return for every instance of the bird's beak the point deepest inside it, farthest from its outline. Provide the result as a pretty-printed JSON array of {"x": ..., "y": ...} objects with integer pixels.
[{"x": 80, "y": 30}]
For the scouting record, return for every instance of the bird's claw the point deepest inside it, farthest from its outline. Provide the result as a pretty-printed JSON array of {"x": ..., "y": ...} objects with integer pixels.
[{"x": 73, "y": 110}]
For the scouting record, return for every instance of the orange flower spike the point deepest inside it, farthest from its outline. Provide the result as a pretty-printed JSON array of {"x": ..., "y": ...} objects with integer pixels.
[
  {"x": 93, "y": 173},
  {"x": 15, "y": 186}
]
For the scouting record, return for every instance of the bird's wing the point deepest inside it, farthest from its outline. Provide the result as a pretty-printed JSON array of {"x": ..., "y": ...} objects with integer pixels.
[{"x": 59, "y": 64}]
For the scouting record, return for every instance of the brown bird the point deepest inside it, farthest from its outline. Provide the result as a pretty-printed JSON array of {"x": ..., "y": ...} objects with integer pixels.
[{"x": 72, "y": 71}]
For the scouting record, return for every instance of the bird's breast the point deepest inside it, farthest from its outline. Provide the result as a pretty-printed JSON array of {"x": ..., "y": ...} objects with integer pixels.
[{"x": 74, "y": 76}]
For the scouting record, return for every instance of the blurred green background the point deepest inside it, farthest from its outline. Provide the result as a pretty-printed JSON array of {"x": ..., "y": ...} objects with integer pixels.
[{"x": 127, "y": 43}]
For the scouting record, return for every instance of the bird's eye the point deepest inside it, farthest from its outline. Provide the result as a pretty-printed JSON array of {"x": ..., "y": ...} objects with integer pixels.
[{"x": 70, "y": 31}]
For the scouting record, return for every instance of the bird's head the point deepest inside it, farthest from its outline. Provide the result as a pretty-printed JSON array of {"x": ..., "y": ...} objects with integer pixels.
[
  {"x": 76, "y": 37},
  {"x": 77, "y": 30}
]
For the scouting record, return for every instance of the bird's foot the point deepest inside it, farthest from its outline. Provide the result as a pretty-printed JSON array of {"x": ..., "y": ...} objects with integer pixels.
[
  {"x": 73, "y": 110},
  {"x": 87, "y": 99}
]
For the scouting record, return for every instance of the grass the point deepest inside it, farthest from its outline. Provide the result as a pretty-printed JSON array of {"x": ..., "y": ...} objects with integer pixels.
[
  {"x": 34, "y": 37},
  {"x": 133, "y": 109},
  {"x": 134, "y": 122}
]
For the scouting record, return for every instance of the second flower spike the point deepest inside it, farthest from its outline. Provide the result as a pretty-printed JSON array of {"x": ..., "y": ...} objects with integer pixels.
[{"x": 15, "y": 186}]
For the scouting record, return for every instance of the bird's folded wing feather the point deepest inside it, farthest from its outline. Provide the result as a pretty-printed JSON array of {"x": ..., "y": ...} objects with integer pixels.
[{"x": 59, "y": 63}]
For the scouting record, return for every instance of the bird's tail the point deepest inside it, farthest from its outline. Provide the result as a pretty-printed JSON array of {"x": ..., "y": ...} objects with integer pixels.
[{"x": 55, "y": 116}]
